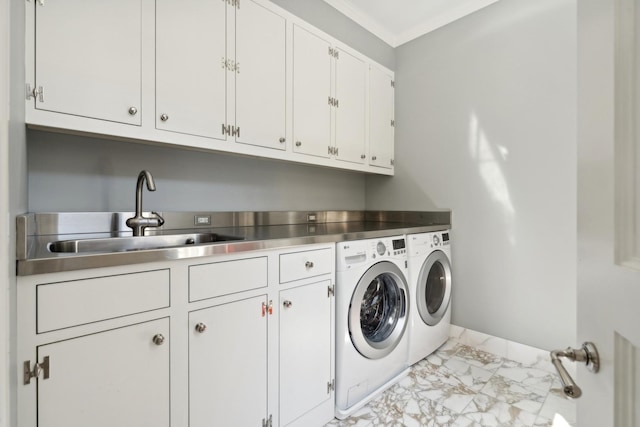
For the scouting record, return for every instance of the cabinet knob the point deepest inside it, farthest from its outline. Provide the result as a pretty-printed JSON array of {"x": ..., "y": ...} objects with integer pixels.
[
  {"x": 201, "y": 327},
  {"x": 282, "y": 140},
  {"x": 133, "y": 111},
  {"x": 374, "y": 158},
  {"x": 164, "y": 117},
  {"x": 308, "y": 264},
  {"x": 287, "y": 304},
  {"x": 158, "y": 339},
  {"x": 363, "y": 156},
  {"x": 298, "y": 143}
]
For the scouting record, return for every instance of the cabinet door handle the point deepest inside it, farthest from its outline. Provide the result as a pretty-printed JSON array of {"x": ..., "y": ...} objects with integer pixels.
[
  {"x": 308, "y": 264},
  {"x": 133, "y": 111},
  {"x": 201, "y": 327},
  {"x": 164, "y": 117},
  {"x": 282, "y": 140},
  {"x": 287, "y": 304},
  {"x": 298, "y": 143},
  {"x": 158, "y": 339},
  {"x": 270, "y": 306}
]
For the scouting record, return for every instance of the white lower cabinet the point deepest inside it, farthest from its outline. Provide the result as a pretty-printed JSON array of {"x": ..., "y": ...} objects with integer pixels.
[
  {"x": 229, "y": 340},
  {"x": 305, "y": 350},
  {"x": 100, "y": 380},
  {"x": 228, "y": 364}
]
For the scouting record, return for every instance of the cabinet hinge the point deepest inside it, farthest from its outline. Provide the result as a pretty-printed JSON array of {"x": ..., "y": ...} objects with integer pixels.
[
  {"x": 35, "y": 93},
  {"x": 29, "y": 373},
  {"x": 267, "y": 422},
  {"x": 393, "y": 83},
  {"x": 391, "y": 161},
  {"x": 331, "y": 386},
  {"x": 235, "y": 131},
  {"x": 234, "y": 3},
  {"x": 333, "y": 102},
  {"x": 334, "y": 53},
  {"x": 393, "y": 123},
  {"x": 330, "y": 291}
]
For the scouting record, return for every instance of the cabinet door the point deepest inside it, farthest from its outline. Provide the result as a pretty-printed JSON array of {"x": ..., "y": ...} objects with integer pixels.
[
  {"x": 260, "y": 76},
  {"x": 381, "y": 128},
  {"x": 228, "y": 365},
  {"x": 191, "y": 67},
  {"x": 351, "y": 88},
  {"x": 89, "y": 58},
  {"x": 305, "y": 349},
  {"x": 311, "y": 92},
  {"x": 114, "y": 378}
]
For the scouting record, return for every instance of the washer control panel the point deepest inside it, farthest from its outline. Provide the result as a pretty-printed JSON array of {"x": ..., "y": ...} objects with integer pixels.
[{"x": 354, "y": 253}]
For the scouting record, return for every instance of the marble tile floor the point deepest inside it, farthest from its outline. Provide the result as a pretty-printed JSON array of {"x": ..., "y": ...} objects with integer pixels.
[{"x": 462, "y": 386}]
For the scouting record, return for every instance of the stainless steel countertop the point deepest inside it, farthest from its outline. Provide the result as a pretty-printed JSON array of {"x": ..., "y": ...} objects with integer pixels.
[{"x": 260, "y": 230}]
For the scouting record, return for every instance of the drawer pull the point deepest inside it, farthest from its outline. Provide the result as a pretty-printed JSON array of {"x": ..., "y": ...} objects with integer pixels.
[
  {"x": 287, "y": 304},
  {"x": 308, "y": 264},
  {"x": 158, "y": 339}
]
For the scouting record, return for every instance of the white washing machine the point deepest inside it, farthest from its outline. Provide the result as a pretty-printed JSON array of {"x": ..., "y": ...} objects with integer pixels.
[
  {"x": 372, "y": 317},
  {"x": 430, "y": 294}
]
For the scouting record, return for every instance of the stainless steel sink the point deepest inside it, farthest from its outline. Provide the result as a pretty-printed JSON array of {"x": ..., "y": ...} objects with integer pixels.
[{"x": 121, "y": 244}]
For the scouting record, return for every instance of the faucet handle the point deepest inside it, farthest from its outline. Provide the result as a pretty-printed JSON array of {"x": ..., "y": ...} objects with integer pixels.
[{"x": 158, "y": 217}]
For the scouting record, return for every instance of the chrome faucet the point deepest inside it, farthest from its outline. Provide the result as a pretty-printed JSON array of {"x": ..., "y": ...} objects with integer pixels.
[{"x": 138, "y": 223}]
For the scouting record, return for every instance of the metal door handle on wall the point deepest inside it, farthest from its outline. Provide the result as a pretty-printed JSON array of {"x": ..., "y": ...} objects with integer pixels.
[{"x": 587, "y": 354}]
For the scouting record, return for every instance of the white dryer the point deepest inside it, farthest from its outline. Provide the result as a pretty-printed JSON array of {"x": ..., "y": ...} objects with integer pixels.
[
  {"x": 430, "y": 281},
  {"x": 372, "y": 317}
]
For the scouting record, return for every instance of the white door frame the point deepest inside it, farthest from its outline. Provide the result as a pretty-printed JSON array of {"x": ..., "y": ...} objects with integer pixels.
[{"x": 4, "y": 215}]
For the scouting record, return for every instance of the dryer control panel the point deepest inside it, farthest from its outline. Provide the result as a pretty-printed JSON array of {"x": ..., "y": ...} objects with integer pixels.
[{"x": 423, "y": 243}]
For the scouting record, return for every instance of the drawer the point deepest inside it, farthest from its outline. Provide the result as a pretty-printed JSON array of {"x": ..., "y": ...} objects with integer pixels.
[
  {"x": 227, "y": 277},
  {"x": 77, "y": 302},
  {"x": 300, "y": 265}
]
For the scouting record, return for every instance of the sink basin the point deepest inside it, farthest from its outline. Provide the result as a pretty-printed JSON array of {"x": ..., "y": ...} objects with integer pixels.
[{"x": 120, "y": 244}]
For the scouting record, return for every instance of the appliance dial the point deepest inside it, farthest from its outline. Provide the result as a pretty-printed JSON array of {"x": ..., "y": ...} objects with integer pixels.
[
  {"x": 381, "y": 248},
  {"x": 436, "y": 239}
]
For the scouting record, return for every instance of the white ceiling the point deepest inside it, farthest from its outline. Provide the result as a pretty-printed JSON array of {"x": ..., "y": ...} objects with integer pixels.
[{"x": 399, "y": 21}]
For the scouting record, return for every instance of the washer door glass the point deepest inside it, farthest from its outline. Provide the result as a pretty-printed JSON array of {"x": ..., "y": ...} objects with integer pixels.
[
  {"x": 377, "y": 315},
  {"x": 434, "y": 288}
]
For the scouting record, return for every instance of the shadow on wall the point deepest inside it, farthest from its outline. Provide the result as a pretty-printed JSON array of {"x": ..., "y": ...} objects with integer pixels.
[{"x": 74, "y": 173}]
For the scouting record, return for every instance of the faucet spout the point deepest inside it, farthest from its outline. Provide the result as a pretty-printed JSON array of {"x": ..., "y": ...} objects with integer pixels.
[{"x": 139, "y": 222}]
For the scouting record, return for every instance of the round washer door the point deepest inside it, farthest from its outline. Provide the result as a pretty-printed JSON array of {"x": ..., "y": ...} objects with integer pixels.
[
  {"x": 434, "y": 288},
  {"x": 378, "y": 310}
]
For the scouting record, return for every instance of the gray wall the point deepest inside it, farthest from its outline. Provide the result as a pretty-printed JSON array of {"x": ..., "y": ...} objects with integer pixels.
[
  {"x": 328, "y": 19},
  {"x": 486, "y": 126},
  {"x": 73, "y": 173}
]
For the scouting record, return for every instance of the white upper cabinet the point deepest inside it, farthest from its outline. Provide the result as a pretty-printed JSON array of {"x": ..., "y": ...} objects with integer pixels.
[
  {"x": 260, "y": 76},
  {"x": 381, "y": 118},
  {"x": 329, "y": 99},
  {"x": 191, "y": 93},
  {"x": 88, "y": 58},
  {"x": 238, "y": 76},
  {"x": 311, "y": 93},
  {"x": 350, "y": 108}
]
